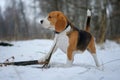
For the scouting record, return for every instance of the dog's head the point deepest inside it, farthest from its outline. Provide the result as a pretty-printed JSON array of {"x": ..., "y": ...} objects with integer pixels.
[{"x": 55, "y": 20}]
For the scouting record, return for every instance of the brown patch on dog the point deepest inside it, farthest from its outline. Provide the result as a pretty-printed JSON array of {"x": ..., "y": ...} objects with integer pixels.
[
  {"x": 73, "y": 39},
  {"x": 91, "y": 47},
  {"x": 58, "y": 19}
]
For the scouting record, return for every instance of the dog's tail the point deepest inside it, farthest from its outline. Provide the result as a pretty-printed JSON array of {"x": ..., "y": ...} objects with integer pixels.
[{"x": 88, "y": 20}]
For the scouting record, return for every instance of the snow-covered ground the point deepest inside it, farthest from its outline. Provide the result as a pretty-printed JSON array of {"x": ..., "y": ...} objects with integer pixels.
[{"x": 82, "y": 69}]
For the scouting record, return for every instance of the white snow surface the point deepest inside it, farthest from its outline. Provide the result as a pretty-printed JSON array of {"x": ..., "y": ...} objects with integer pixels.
[{"x": 83, "y": 67}]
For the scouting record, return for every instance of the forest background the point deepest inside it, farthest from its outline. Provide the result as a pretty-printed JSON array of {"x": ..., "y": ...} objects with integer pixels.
[{"x": 19, "y": 19}]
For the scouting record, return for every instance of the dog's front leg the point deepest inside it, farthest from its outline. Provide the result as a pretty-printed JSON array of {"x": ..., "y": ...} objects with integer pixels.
[{"x": 47, "y": 57}]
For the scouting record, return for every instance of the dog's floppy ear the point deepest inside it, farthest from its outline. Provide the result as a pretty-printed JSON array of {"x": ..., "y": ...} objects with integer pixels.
[{"x": 61, "y": 23}]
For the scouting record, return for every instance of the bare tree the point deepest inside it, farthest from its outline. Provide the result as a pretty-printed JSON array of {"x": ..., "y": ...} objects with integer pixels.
[
  {"x": 2, "y": 26},
  {"x": 21, "y": 4},
  {"x": 103, "y": 23}
]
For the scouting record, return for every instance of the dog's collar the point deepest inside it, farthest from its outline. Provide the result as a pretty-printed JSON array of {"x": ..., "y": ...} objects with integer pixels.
[{"x": 63, "y": 30}]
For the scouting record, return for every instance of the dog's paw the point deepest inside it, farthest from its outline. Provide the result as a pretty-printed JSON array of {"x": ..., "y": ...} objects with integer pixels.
[{"x": 68, "y": 63}]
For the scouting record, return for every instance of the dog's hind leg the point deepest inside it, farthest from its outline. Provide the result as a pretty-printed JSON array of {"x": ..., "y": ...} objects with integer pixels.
[{"x": 91, "y": 48}]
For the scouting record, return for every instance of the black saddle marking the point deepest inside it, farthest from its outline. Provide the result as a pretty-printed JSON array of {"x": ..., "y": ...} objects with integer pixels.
[{"x": 83, "y": 39}]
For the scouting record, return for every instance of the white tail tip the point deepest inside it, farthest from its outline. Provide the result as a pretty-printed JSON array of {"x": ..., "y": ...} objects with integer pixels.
[{"x": 88, "y": 12}]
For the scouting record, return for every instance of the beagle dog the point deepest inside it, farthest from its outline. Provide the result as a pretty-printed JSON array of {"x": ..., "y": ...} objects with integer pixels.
[{"x": 69, "y": 38}]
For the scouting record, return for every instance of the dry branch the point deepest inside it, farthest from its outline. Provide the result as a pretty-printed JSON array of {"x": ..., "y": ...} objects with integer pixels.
[
  {"x": 23, "y": 63},
  {"x": 32, "y": 62}
]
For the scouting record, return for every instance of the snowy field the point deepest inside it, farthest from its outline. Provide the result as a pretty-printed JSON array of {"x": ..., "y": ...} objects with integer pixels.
[{"x": 82, "y": 69}]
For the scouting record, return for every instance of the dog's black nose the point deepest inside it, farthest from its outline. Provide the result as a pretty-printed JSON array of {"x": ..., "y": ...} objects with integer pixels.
[{"x": 41, "y": 21}]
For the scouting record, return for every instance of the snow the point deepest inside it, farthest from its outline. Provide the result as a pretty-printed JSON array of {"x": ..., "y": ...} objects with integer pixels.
[{"x": 83, "y": 67}]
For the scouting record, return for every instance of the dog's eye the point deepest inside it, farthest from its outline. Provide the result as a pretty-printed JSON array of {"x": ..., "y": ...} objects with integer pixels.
[{"x": 49, "y": 17}]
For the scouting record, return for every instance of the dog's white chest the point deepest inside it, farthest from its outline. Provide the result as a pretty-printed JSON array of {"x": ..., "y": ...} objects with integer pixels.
[{"x": 62, "y": 42}]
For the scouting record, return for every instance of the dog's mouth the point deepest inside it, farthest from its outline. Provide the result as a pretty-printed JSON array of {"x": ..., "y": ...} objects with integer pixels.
[{"x": 51, "y": 28}]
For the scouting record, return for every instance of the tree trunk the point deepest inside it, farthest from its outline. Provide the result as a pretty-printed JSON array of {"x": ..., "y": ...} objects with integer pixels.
[{"x": 103, "y": 26}]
